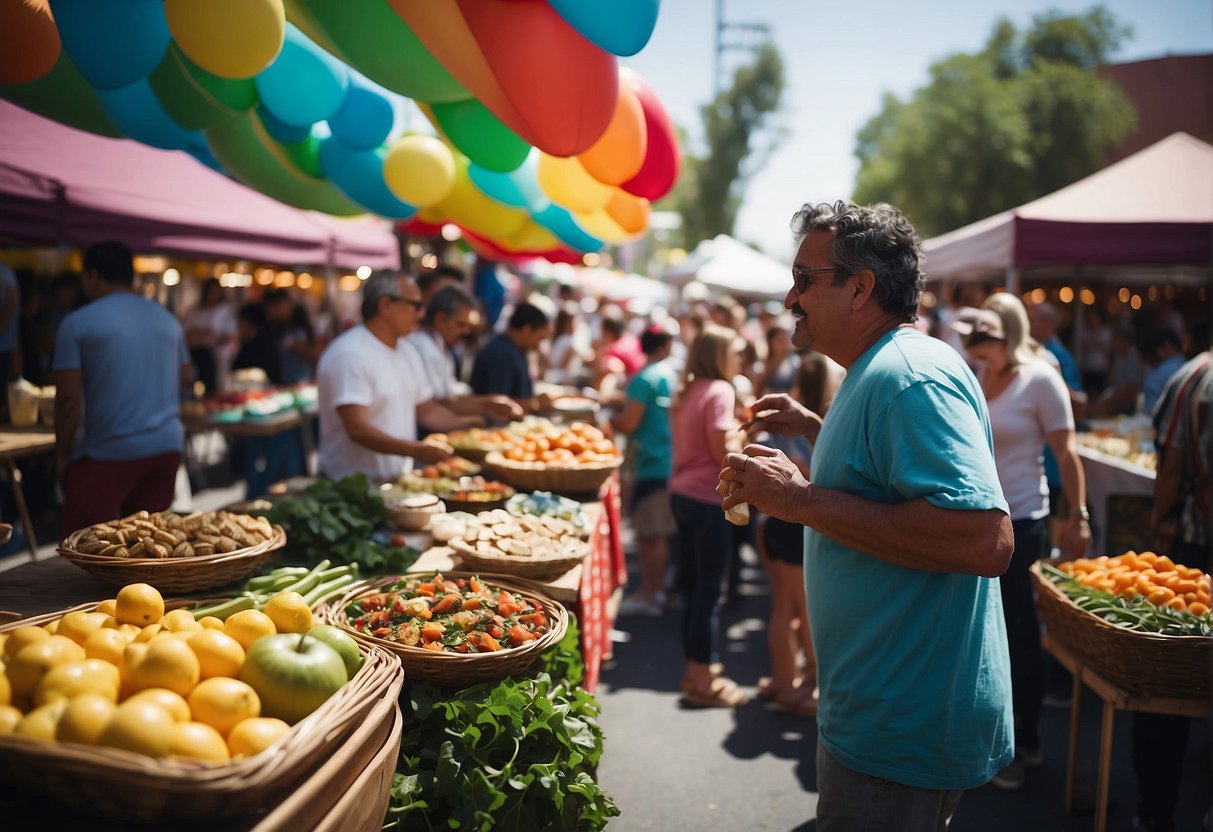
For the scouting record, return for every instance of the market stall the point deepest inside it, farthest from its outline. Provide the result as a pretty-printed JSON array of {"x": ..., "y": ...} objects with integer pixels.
[{"x": 1120, "y": 486}]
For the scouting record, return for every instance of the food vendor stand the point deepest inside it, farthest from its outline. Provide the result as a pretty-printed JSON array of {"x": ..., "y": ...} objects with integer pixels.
[
  {"x": 1112, "y": 474},
  {"x": 15, "y": 443}
]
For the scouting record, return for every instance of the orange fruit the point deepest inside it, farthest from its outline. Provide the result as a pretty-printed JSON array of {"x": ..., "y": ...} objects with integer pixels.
[
  {"x": 221, "y": 703},
  {"x": 247, "y": 626},
  {"x": 174, "y": 703},
  {"x": 109, "y": 606},
  {"x": 79, "y": 625},
  {"x": 41, "y": 723},
  {"x": 168, "y": 663},
  {"x": 252, "y": 736},
  {"x": 198, "y": 741},
  {"x": 26, "y": 669},
  {"x": 210, "y": 622},
  {"x": 218, "y": 653},
  {"x": 176, "y": 621},
  {"x": 9, "y": 717},
  {"x": 6, "y": 689},
  {"x": 85, "y": 719},
  {"x": 106, "y": 645},
  {"x": 22, "y": 636},
  {"x": 140, "y": 726},
  {"x": 139, "y": 604},
  {"x": 67, "y": 681},
  {"x": 146, "y": 634}
]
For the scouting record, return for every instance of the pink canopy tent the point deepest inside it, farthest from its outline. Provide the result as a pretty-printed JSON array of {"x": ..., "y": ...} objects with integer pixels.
[
  {"x": 1154, "y": 208},
  {"x": 62, "y": 185}
]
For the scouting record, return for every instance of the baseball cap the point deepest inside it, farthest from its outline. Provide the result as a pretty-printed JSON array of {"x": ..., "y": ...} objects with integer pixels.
[{"x": 986, "y": 323}]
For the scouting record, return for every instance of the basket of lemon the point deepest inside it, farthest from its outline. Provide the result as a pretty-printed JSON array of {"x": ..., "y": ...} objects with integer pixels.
[{"x": 133, "y": 708}]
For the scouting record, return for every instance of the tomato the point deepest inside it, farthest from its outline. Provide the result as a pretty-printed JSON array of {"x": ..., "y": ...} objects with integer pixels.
[
  {"x": 472, "y": 604},
  {"x": 495, "y": 631},
  {"x": 426, "y": 589},
  {"x": 535, "y": 619},
  {"x": 449, "y": 603},
  {"x": 432, "y": 645},
  {"x": 521, "y": 635},
  {"x": 484, "y": 642},
  {"x": 506, "y": 605}
]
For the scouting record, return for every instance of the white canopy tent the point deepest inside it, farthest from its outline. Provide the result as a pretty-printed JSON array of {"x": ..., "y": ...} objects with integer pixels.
[{"x": 726, "y": 265}]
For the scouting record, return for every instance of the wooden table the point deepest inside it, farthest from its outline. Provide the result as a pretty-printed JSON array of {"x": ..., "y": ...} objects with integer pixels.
[
  {"x": 1114, "y": 699},
  {"x": 261, "y": 427},
  {"x": 15, "y": 443}
]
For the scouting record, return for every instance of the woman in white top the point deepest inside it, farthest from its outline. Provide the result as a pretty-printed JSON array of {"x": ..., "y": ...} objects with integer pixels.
[{"x": 1029, "y": 408}]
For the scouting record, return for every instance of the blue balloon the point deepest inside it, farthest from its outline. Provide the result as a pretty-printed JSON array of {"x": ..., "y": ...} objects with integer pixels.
[
  {"x": 366, "y": 117},
  {"x": 135, "y": 110},
  {"x": 114, "y": 43},
  {"x": 519, "y": 188},
  {"x": 359, "y": 175},
  {"x": 561, "y": 223},
  {"x": 621, "y": 27},
  {"x": 280, "y": 130},
  {"x": 200, "y": 151},
  {"x": 304, "y": 84}
]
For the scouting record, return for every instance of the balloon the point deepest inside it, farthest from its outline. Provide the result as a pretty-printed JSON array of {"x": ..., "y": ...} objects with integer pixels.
[
  {"x": 137, "y": 113},
  {"x": 231, "y": 38},
  {"x": 630, "y": 212},
  {"x": 478, "y": 134},
  {"x": 566, "y": 183},
  {"x": 420, "y": 228},
  {"x": 469, "y": 208},
  {"x": 621, "y": 27},
  {"x": 197, "y": 99},
  {"x": 62, "y": 94},
  {"x": 660, "y": 169},
  {"x": 619, "y": 154},
  {"x": 518, "y": 188},
  {"x": 560, "y": 222},
  {"x": 304, "y": 84},
  {"x": 377, "y": 43},
  {"x": 113, "y": 44},
  {"x": 365, "y": 118},
  {"x": 600, "y": 224},
  {"x": 420, "y": 170},
  {"x": 29, "y": 43},
  {"x": 305, "y": 153},
  {"x": 250, "y": 154},
  {"x": 359, "y": 175},
  {"x": 280, "y": 130}
]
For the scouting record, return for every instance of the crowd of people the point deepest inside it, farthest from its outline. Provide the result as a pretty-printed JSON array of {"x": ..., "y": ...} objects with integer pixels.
[{"x": 925, "y": 461}]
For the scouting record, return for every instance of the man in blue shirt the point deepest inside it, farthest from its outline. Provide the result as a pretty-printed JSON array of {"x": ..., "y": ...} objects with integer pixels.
[
  {"x": 123, "y": 359},
  {"x": 502, "y": 366},
  {"x": 907, "y": 533}
]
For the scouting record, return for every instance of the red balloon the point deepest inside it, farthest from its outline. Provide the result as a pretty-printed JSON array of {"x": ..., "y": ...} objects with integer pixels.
[
  {"x": 491, "y": 251},
  {"x": 419, "y": 228},
  {"x": 660, "y": 169}
]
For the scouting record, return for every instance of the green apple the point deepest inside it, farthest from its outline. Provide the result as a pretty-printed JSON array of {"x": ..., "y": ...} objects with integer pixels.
[
  {"x": 293, "y": 674},
  {"x": 343, "y": 643}
]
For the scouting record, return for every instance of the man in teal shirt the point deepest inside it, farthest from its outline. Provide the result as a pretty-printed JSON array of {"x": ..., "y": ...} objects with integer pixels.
[{"x": 907, "y": 533}]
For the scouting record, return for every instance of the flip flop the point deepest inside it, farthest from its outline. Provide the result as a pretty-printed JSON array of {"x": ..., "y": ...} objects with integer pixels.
[
  {"x": 800, "y": 704},
  {"x": 724, "y": 693}
]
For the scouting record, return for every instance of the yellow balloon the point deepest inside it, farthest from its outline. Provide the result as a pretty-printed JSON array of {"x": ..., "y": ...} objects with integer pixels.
[
  {"x": 469, "y": 207},
  {"x": 600, "y": 224},
  {"x": 566, "y": 183},
  {"x": 419, "y": 170},
  {"x": 231, "y": 38}
]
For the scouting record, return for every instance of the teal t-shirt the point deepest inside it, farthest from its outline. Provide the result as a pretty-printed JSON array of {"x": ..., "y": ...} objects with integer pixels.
[
  {"x": 913, "y": 667},
  {"x": 650, "y": 444}
]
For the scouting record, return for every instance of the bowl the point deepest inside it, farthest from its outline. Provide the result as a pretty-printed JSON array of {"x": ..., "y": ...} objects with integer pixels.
[{"x": 412, "y": 512}]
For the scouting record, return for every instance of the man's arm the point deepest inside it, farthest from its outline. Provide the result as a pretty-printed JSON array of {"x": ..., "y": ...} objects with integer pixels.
[
  {"x": 68, "y": 396},
  {"x": 1166, "y": 485},
  {"x": 359, "y": 428},
  {"x": 628, "y": 420},
  {"x": 499, "y": 407},
  {"x": 1077, "y": 535},
  {"x": 437, "y": 416}
]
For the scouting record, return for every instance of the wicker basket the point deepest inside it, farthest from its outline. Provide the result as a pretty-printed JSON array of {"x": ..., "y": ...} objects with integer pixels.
[
  {"x": 522, "y": 566},
  {"x": 1143, "y": 664},
  {"x": 533, "y": 476},
  {"x": 454, "y": 670},
  {"x": 130, "y": 786},
  {"x": 175, "y": 574}
]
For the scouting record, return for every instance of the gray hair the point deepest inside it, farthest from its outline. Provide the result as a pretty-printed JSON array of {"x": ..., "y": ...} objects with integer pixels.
[
  {"x": 447, "y": 301},
  {"x": 377, "y": 286},
  {"x": 874, "y": 237}
]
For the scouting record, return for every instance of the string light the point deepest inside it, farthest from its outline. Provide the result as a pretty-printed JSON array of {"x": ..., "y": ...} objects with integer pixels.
[{"x": 171, "y": 277}]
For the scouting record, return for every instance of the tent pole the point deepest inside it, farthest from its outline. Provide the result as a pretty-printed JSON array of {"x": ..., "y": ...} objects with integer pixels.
[{"x": 1012, "y": 280}]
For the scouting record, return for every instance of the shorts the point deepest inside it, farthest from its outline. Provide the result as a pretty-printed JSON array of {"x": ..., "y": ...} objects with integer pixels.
[
  {"x": 651, "y": 514},
  {"x": 96, "y": 490},
  {"x": 784, "y": 540}
]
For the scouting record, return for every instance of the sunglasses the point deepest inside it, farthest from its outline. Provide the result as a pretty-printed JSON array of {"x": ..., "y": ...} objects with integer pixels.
[
  {"x": 802, "y": 279},
  {"x": 416, "y": 304}
]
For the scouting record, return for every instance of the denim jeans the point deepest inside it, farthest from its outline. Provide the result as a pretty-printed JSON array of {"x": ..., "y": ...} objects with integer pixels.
[
  {"x": 848, "y": 801},
  {"x": 705, "y": 543}
]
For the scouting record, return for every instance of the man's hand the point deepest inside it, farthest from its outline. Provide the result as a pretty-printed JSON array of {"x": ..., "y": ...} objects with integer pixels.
[
  {"x": 780, "y": 414},
  {"x": 430, "y": 452},
  {"x": 503, "y": 407},
  {"x": 543, "y": 402},
  {"x": 763, "y": 477}
]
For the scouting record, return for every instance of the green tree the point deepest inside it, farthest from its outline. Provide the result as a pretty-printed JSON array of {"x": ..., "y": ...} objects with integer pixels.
[
  {"x": 738, "y": 137},
  {"x": 1020, "y": 119}
]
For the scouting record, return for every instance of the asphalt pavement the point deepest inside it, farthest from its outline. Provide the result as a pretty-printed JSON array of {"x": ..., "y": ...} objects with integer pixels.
[{"x": 670, "y": 768}]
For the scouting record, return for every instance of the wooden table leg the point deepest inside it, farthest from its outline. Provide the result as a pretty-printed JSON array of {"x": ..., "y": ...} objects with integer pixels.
[
  {"x": 1072, "y": 763},
  {"x": 1105, "y": 767},
  {"x": 19, "y": 495}
]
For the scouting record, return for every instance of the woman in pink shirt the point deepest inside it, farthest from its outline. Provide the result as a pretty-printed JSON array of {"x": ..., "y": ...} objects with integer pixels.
[{"x": 704, "y": 429}]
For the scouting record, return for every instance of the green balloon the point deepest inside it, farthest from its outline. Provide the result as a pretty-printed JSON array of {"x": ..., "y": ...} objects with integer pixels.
[
  {"x": 480, "y": 135},
  {"x": 378, "y": 43},
  {"x": 306, "y": 156},
  {"x": 64, "y": 96},
  {"x": 197, "y": 99},
  {"x": 250, "y": 154}
]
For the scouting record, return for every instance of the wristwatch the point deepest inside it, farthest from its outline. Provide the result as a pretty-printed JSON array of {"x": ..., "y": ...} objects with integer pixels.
[{"x": 1082, "y": 512}]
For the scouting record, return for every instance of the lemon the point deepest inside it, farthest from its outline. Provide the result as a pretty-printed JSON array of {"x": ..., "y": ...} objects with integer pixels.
[
  {"x": 140, "y": 726},
  {"x": 132, "y": 654},
  {"x": 289, "y": 612},
  {"x": 218, "y": 653},
  {"x": 40, "y": 723},
  {"x": 6, "y": 689},
  {"x": 22, "y": 636},
  {"x": 210, "y": 622},
  {"x": 109, "y": 606},
  {"x": 106, "y": 645},
  {"x": 174, "y": 703},
  {"x": 198, "y": 741},
  {"x": 139, "y": 604},
  {"x": 51, "y": 627},
  {"x": 247, "y": 626},
  {"x": 26, "y": 669},
  {"x": 67, "y": 681},
  {"x": 177, "y": 621},
  {"x": 9, "y": 717},
  {"x": 221, "y": 703},
  {"x": 128, "y": 630},
  {"x": 168, "y": 663},
  {"x": 148, "y": 633},
  {"x": 79, "y": 625},
  {"x": 252, "y": 736},
  {"x": 85, "y": 719}
]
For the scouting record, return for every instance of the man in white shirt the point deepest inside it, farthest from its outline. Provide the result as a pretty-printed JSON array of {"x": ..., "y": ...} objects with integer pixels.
[
  {"x": 448, "y": 319},
  {"x": 373, "y": 388}
]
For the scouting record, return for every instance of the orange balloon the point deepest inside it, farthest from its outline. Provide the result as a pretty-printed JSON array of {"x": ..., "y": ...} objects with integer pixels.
[
  {"x": 620, "y": 152},
  {"x": 631, "y": 212},
  {"x": 29, "y": 41}
]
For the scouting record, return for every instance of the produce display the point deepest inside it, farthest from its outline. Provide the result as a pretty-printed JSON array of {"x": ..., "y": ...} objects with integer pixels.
[
  {"x": 499, "y": 532},
  {"x": 460, "y": 616},
  {"x": 546, "y": 504},
  {"x": 132, "y": 676},
  {"x": 1145, "y": 592},
  {"x": 1121, "y": 447},
  {"x": 165, "y": 534},
  {"x": 304, "y": 587},
  {"x": 545, "y": 444},
  {"x": 477, "y": 439}
]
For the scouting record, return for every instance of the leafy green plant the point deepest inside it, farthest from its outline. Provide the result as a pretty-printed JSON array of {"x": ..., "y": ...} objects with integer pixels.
[
  {"x": 520, "y": 754},
  {"x": 334, "y": 520}
]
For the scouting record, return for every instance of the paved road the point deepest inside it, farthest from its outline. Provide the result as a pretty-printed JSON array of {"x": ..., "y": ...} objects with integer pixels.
[{"x": 673, "y": 769}]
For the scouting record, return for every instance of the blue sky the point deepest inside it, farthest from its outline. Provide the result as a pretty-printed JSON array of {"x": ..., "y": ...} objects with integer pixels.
[{"x": 857, "y": 52}]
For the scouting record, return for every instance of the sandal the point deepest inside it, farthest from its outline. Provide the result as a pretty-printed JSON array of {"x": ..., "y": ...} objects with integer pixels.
[
  {"x": 800, "y": 702},
  {"x": 767, "y": 689},
  {"x": 723, "y": 693}
]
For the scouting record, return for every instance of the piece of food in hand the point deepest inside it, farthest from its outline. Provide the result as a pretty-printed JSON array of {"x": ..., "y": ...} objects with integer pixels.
[{"x": 738, "y": 515}]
